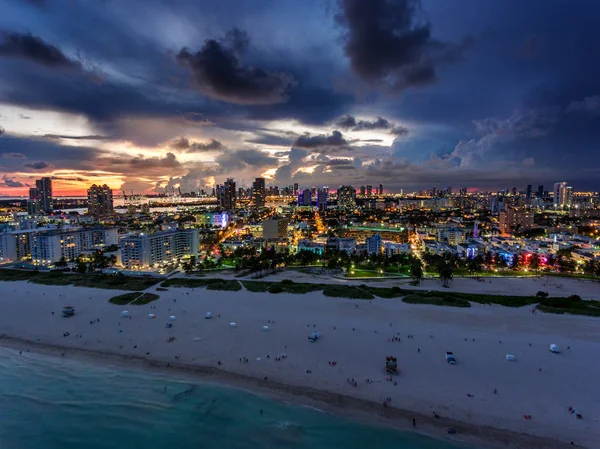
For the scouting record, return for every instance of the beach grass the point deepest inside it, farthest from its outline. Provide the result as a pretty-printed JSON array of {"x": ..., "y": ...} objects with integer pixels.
[
  {"x": 347, "y": 291},
  {"x": 383, "y": 292},
  {"x": 145, "y": 298},
  {"x": 110, "y": 282},
  {"x": 126, "y": 298},
  {"x": 285, "y": 286},
  {"x": 210, "y": 284},
  {"x": 224, "y": 285},
  {"x": 570, "y": 306},
  {"x": 162, "y": 289},
  {"x": 448, "y": 301}
]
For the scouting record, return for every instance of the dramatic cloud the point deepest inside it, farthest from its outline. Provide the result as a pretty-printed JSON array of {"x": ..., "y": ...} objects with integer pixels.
[
  {"x": 389, "y": 41},
  {"x": 244, "y": 158},
  {"x": 220, "y": 74},
  {"x": 35, "y": 49},
  {"x": 183, "y": 143},
  {"x": 399, "y": 131},
  {"x": 336, "y": 139},
  {"x": 40, "y": 165},
  {"x": 350, "y": 122},
  {"x": 13, "y": 156},
  {"x": 8, "y": 182}
]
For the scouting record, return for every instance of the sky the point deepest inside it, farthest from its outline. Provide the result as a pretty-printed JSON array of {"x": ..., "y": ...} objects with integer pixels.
[{"x": 161, "y": 95}]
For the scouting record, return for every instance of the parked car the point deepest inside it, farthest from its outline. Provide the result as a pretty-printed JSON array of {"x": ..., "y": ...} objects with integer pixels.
[{"x": 450, "y": 358}]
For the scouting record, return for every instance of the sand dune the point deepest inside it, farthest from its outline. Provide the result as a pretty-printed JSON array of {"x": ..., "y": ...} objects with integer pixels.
[{"x": 355, "y": 335}]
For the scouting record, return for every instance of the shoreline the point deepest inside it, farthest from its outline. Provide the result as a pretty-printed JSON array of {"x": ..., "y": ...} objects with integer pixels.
[{"x": 363, "y": 410}]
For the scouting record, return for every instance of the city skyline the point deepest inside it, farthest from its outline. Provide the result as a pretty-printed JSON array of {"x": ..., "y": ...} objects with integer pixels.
[{"x": 301, "y": 93}]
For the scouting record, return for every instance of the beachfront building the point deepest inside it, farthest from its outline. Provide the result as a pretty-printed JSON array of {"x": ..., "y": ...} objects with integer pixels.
[
  {"x": 45, "y": 246},
  {"x": 143, "y": 250},
  {"x": 307, "y": 245},
  {"x": 454, "y": 236},
  {"x": 374, "y": 244},
  {"x": 391, "y": 249},
  {"x": 347, "y": 245},
  {"x": 8, "y": 247}
]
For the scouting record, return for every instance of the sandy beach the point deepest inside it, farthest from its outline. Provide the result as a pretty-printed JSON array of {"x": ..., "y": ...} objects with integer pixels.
[{"x": 484, "y": 396}]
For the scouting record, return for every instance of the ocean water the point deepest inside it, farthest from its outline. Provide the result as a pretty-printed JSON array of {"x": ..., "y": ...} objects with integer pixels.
[{"x": 50, "y": 402}]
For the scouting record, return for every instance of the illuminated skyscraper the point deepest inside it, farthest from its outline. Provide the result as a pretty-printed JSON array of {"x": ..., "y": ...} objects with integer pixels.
[
  {"x": 259, "y": 192},
  {"x": 226, "y": 195},
  {"x": 100, "y": 200},
  {"x": 562, "y": 194}
]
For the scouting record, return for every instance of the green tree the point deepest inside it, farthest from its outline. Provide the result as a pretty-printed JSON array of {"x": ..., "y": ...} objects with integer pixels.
[
  {"x": 416, "y": 271},
  {"x": 534, "y": 262},
  {"x": 516, "y": 263},
  {"x": 590, "y": 267},
  {"x": 62, "y": 263},
  {"x": 446, "y": 272}
]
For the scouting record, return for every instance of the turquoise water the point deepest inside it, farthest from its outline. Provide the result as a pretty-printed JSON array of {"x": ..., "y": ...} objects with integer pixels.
[{"x": 48, "y": 402}]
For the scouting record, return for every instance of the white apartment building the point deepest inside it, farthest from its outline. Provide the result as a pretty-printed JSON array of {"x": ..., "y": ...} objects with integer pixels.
[
  {"x": 147, "y": 250},
  {"x": 45, "y": 246}
]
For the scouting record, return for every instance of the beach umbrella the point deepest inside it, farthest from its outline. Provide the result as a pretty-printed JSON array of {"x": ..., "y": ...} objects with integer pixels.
[
  {"x": 232, "y": 324},
  {"x": 124, "y": 314}
]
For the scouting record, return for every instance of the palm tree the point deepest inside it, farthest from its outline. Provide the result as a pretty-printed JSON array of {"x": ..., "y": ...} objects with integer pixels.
[{"x": 446, "y": 273}]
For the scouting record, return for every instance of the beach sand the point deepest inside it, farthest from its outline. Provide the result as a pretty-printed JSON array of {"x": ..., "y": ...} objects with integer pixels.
[{"x": 355, "y": 335}]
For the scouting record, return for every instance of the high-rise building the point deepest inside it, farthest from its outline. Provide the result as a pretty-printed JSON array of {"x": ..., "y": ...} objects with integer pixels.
[
  {"x": 515, "y": 219},
  {"x": 346, "y": 196},
  {"x": 562, "y": 194},
  {"x": 146, "y": 250},
  {"x": 259, "y": 192},
  {"x": 363, "y": 190},
  {"x": 42, "y": 194},
  {"x": 374, "y": 244},
  {"x": 528, "y": 193},
  {"x": 322, "y": 199},
  {"x": 100, "y": 200},
  {"x": 381, "y": 189},
  {"x": 295, "y": 188},
  {"x": 33, "y": 203},
  {"x": 305, "y": 198},
  {"x": 226, "y": 195},
  {"x": 540, "y": 192},
  {"x": 275, "y": 228},
  {"x": 369, "y": 190}
]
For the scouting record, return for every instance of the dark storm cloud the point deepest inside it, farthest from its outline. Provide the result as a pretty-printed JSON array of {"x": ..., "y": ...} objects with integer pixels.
[
  {"x": 68, "y": 137},
  {"x": 183, "y": 143},
  {"x": 35, "y": 49},
  {"x": 244, "y": 158},
  {"x": 37, "y": 165},
  {"x": 220, "y": 74},
  {"x": 399, "y": 131},
  {"x": 336, "y": 139},
  {"x": 390, "y": 41},
  {"x": 349, "y": 122}
]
